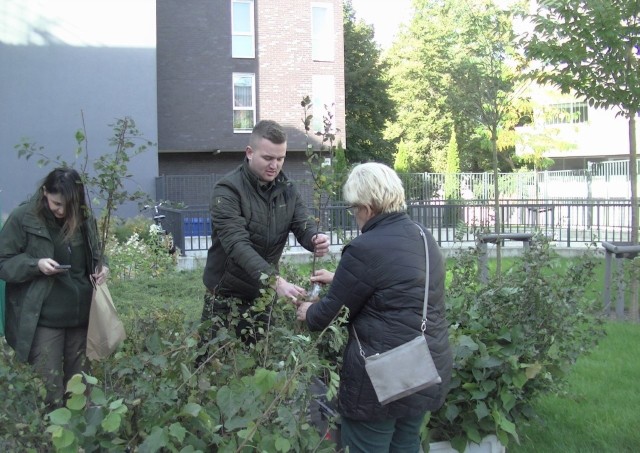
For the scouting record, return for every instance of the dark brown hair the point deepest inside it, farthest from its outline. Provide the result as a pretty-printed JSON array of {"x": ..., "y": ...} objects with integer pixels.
[
  {"x": 270, "y": 130},
  {"x": 67, "y": 183}
]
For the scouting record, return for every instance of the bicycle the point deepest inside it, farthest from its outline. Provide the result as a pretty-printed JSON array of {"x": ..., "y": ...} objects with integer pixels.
[{"x": 164, "y": 236}]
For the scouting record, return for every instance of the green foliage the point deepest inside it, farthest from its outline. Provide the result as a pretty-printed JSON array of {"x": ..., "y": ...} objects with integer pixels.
[
  {"x": 141, "y": 255},
  {"x": 451, "y": 186},
  {"x": 513, "y": 339},
  {"x": 453, "y": 67},
  {"x": 124, "y": 229},
  {"x": 21, "y": 406},
  {"x": 589, "y": 48},
  {"x": 106, "y": 183},
  {"x": 368, "y": 105},
  {"x": 402, "y": 162},
  {"x": 592, "y": 48}
]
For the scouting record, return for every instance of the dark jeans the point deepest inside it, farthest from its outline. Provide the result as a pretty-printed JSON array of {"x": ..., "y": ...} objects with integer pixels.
[
  {"x": 396, "y": 435},
  {"x": 56, "y": 355}
]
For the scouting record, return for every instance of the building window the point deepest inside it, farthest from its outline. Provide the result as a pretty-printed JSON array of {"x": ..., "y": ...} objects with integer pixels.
[
  {"x": 242, "y": 29},
  {"x": 324, "y": 101},
  {"x": 567, "y": 113},
  {"x": 322, "y": 33},
  {"x": 244, "y": 107}
]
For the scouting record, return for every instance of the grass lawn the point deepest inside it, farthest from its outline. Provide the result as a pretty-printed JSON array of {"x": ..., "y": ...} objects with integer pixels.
[{"x": 598, "y": 412}]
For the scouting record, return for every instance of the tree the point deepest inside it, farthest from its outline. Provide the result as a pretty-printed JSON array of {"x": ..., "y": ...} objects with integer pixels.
[
  {"x": 592, "y": 48},
  {"x": 485, "y": 81},
  {"x": 419, "y": 64},
  {"x": 451, "y": 186},
  {"x": 368, "y": 106},
  {"x": 402, "y": 162}
]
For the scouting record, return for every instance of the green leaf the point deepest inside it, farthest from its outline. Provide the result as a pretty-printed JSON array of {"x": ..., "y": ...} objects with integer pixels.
[
  {"x": 60, "y": 416},
  {"x": 76, "y": 402},
  {"x": 155, "y": 441},
  {"x": 111, "y": 422},
  {"x": 532, "y": 370},
  {"x": 481, "y": 410},
  {"x": 178, "y": 431},
  {"x": 283, "y": 444},
  {"x": 488, "y": 362},
  {"x": 228, "y": 402},
  {"x": 90, "y": 379},
  {"x": 116, "y": 404},
  {"x": 63, "y": 439},
  {"x": 76, "y": 385},
  {"x": 192, "y": 409},
  {"x": 265, "y": 380}
]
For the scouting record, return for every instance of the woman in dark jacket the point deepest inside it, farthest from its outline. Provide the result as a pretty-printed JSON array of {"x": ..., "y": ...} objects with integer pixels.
[
  {"x": 48, "y": 251},
  {"x": 381, "y": 280}
]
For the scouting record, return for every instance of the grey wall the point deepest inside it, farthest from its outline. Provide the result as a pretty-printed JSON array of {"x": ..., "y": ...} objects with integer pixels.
[
  {"x": 45, "y": 90},
  {"x": 65, "y": 59}
]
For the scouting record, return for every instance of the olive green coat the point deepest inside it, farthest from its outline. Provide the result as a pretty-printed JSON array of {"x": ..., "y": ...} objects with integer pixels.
[{"x": 24, "y": 240}]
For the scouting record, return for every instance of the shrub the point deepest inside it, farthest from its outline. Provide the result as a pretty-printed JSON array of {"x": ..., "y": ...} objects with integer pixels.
[{"x": 512, "y": 338}]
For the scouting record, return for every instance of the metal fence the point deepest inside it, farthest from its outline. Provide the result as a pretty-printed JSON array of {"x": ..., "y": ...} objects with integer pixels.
[
  {"x": 604, "y": 180},
  {"x": 567, "y": 222}
]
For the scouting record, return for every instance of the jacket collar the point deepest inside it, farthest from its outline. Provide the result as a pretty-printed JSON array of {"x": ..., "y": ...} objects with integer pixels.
[{"x": 383, "y": 219}]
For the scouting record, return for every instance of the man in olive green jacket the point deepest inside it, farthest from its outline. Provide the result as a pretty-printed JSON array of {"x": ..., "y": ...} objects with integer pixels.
[{"x": 253, "y": 209}]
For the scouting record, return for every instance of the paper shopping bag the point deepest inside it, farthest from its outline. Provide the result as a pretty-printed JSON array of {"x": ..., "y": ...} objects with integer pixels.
[{"x": 105, "y": 332}]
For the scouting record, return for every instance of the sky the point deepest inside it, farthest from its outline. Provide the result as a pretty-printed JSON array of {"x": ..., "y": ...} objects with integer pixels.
[{"x": 385, "y": 16}]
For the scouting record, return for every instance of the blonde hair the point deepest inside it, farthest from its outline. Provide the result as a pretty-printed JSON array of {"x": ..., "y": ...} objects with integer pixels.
[{"x": 377, "y": 186}]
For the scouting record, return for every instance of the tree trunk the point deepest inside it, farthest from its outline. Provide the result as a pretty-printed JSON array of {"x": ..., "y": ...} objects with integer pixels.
[
  {"x": 496, "y": 203},
  {"x": 633, "y": 180}
]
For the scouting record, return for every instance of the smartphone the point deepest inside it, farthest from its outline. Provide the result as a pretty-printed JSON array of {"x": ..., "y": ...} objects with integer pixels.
[{"x": 63, "y": 266}]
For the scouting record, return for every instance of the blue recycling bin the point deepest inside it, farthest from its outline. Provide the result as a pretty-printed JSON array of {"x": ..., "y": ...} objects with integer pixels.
[{"x": 197, "y": 226}]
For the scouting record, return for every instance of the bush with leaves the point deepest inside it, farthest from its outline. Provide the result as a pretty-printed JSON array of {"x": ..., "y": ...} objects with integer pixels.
[
  {"x": 513, "y": 338},
  {"x": 140, "y": 255},
  {"x": 151, "y": 396}
]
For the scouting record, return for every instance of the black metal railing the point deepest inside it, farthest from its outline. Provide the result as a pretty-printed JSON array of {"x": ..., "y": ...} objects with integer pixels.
[{"x": 567, "y": 222}]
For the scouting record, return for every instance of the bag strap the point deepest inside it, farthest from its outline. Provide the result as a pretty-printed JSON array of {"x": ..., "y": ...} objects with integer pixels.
[{"x": 423, "y": 326}]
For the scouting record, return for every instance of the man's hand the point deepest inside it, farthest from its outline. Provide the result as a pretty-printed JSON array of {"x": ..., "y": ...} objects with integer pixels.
[
  {"x": 321, "y": 244},
  {"x": 289, "y": 290}
]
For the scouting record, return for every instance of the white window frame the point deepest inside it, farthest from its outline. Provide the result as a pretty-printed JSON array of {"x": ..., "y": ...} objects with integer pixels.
[
  {"x": 235, "y": 50},
  {"x": 323, "y": 41},
  {"x": 252, "y": 107},
  {"x": 567, "y": 113}
]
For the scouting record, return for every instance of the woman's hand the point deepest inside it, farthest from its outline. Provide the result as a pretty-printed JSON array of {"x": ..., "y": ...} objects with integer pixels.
[
  {"x": 48, "y": 266},
  {"x": 301, "y": 314},
  {"x": 101, "y": 276},
  {"x": 322, "y": 276}
]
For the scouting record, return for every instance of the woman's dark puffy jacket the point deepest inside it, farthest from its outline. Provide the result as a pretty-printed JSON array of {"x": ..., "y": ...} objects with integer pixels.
[{"x": 381, "y": 278}]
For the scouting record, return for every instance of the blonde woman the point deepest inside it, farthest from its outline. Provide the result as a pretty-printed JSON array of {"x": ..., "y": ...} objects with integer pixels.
[{"x": 381, "y": 279}]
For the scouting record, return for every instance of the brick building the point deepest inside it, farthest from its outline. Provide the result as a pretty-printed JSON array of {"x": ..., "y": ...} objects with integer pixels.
[{"x": 224, "y": 65}]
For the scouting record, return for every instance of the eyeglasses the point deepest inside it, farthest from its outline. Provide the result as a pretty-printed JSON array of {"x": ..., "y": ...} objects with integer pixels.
[{"x": 351, "y": 210}]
